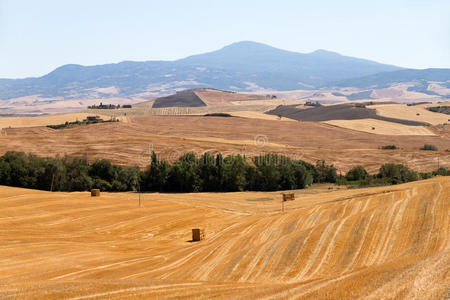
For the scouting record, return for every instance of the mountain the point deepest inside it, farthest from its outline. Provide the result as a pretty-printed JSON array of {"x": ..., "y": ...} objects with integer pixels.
[
  {"x": 242, "y": 66},
  {"x": 278, "y": 69},
  {"x": 386, "y": 79}
]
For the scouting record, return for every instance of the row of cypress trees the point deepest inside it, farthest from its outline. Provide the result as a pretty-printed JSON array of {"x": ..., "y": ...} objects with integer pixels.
[{"x": 207, "y": 173}]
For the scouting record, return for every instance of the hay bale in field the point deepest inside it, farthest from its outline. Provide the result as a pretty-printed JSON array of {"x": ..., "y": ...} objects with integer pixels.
[
  {"x": 95, "y": 193},
  {"x": 198, "y": 234},
  {"x": 288, "y": 197}
]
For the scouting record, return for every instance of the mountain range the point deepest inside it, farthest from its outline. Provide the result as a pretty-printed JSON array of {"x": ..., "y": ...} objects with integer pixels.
[{"x": 242, "y": 66}]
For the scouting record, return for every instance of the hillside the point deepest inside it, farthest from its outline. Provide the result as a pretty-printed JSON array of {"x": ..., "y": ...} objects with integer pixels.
[
  {"x": 421, "y": 79},
  {"x": 186, "y": 98},
  {"x": 387, "y": 242},
  {"x": 209, "y": 97},
  {"x": 239, "y": 66}
]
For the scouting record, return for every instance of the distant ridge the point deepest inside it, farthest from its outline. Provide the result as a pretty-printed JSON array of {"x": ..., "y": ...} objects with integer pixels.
[
  {"x": 385, "y": 79},
  {"x": 242, "y": 66}
]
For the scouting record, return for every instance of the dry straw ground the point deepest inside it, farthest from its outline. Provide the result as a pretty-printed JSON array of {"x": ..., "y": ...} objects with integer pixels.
[
  {"x": 417, "y": 113},
  {"x": 381, "y": 127},
  {"x": 375, "y": 243}
]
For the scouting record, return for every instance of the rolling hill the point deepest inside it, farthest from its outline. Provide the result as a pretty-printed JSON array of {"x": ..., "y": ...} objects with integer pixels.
[{"x": 386, "y": 79}]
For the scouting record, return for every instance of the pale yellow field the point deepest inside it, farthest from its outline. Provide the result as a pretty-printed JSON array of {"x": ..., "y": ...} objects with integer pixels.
[
  {"x": 272, "y": 102},
  {"x": 376, "y": 243},
  {"x": 19, "y": 122},
  {"x": 404, "y": 112},
  {"x": 381, "y": 127}
]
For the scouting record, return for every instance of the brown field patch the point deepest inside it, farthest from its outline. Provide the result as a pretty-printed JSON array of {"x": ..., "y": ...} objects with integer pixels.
[{"x": 171, "y": 136}]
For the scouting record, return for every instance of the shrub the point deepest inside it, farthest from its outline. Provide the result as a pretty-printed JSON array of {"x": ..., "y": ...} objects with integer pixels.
[
  {"x": 389, "y": 147},
  {"x": 397, "y": 173},
  {"x": 217, "y": 115},
  {"x": 442, "y": 171},
  {"x": 324, "y": 173},
  {"x": 429, "y": 147},
  {"x": 356, "y": 173}
]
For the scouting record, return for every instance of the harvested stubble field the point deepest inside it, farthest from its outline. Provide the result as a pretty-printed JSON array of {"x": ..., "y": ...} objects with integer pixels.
[
  {"x": 417, "y": 113},
  {"x": 381, "y": 127},
  {"x": 19, "y": 122},
  {"x": 171, "y": 136},
  {"x": 387, "y": 242}
]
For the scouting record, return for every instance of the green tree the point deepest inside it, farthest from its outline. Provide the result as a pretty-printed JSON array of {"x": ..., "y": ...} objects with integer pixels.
[
  {"x": 324, "y": 172},
  {"x": 303, "y": 175},
  {"x": 397, "y": 173},
  {"x": 156, "y": 177},
  {"x": 76, "y": 177},
  {"x": 208, "y": 173},
  {"x": 102, "y": 169},
  {"x": 234, "y": 173},
  {"x": 268, "y": 170},
  {"x": 356, "y": 173},
  {"x": 5, "y": 172},
  {"x": 184, "y": 176}
]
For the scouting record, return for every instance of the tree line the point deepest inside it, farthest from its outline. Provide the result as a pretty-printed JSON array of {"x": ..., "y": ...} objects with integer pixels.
[{"x": 207, "y": 173}]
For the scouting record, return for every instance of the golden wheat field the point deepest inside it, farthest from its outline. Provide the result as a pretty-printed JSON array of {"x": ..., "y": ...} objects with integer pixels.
[
  {"x": 375, "y": 243},
  {"x": 381, "y": 127},
  {"x": 417, "y": 113}
]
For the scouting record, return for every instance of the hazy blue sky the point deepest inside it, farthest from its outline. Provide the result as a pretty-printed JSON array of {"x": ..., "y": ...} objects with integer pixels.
[{"x": 38, "y": 36}]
